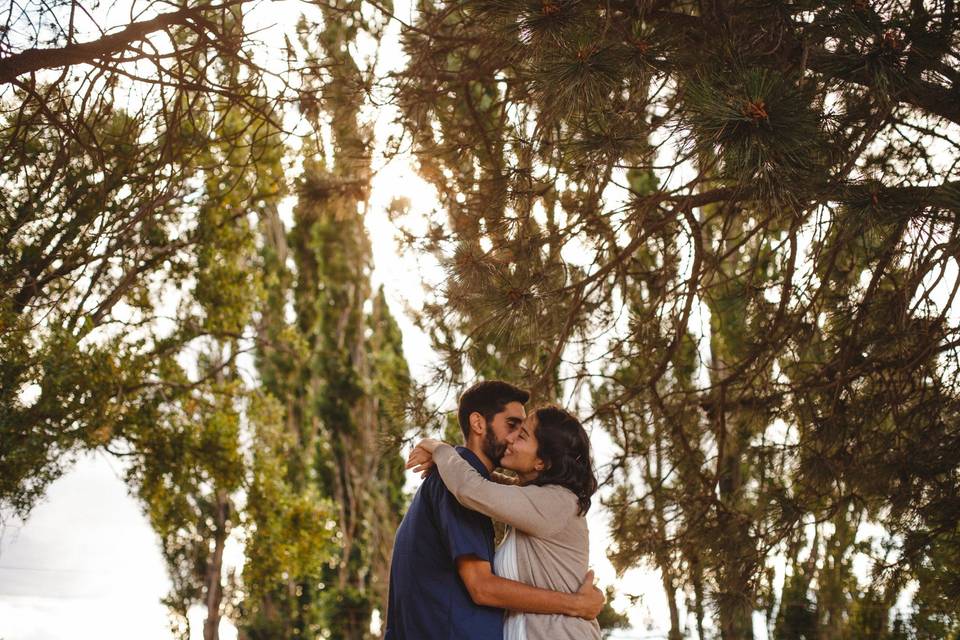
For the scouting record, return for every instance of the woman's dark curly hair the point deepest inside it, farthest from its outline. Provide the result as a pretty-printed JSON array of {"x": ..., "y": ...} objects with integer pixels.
[{"x": 564, "y": 447}]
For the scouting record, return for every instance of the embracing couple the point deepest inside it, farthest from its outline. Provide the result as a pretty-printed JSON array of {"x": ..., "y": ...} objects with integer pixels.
[{"x": 447, "y": 581}]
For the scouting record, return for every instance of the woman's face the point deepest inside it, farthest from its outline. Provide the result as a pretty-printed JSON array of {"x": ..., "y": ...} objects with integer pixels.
[{"x": 521, "y": 453}]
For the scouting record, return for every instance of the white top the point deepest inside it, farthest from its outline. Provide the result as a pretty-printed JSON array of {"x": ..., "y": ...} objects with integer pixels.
[{"x": 505, "y": 566}]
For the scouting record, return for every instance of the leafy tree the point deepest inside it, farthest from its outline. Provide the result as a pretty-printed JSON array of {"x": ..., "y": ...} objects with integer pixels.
[
  {"x": 130, "y": 276},
  {"x": 190, "y": 466},
  {"x": 103, "y": 137}
]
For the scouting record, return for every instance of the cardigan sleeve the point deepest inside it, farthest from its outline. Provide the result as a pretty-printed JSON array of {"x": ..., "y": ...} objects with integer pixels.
[{"x": 537, "y": 511}]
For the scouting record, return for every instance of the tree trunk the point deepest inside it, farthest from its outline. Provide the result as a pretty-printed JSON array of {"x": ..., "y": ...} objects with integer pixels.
[
  {"x": 696, "y": 577},
  {"x": 214, "y": 588},
  {"x": 734, "y": 591},
  {"x": 663, "y": 556},
  {"x": 735, "y": 618},
  {"x": 670, "y": 590}
]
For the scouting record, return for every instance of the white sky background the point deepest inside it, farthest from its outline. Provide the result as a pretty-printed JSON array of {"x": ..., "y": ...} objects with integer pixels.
[{"x": 87, "y": 564}]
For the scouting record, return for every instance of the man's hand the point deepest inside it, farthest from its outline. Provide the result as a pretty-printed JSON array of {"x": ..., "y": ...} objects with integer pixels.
[
  {"x": 589, "y": 599},
  {"x": 490, "y": 590}
]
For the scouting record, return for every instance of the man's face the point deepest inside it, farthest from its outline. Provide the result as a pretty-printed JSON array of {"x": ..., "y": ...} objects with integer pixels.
[{"x": 499, "y": 427}]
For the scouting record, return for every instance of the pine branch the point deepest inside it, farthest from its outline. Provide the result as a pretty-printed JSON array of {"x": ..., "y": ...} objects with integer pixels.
[
  {"x": 943, "y": 196},
  {"x": 928, "y": 96},
  {"x": 933, "y": 98}
]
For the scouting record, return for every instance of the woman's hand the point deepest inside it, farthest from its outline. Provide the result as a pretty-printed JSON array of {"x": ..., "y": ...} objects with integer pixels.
[{"x": 421, "y": 458}]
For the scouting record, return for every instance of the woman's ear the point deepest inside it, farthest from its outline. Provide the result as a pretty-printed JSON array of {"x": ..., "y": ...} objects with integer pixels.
[{"x": 539, "y": 465}]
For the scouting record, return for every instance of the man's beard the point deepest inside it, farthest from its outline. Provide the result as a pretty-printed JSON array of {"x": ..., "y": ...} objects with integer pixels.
[{"x": 491, "y": 448}]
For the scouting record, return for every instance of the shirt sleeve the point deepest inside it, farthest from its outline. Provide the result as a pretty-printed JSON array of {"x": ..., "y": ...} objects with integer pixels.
[
  {"x": 465, "y": 532},
  {"x": 537, "y": 511}
]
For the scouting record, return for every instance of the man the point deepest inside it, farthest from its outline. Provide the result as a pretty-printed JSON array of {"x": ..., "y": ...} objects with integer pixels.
[{"x": 442, "y": 585}]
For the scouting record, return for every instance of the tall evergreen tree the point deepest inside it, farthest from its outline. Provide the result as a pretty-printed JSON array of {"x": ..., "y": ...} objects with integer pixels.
[{"x": 339, "y": 364}]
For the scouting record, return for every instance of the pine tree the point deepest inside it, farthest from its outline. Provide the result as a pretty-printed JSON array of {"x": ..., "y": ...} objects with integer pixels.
[{"x": 747, "y": 209}]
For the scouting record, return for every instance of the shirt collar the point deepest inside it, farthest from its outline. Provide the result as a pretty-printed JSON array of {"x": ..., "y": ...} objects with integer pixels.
[{"x": 474, "y": 461}]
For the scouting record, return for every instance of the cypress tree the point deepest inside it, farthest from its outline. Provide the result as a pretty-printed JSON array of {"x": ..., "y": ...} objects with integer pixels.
[{"x": 339, "y": 364}]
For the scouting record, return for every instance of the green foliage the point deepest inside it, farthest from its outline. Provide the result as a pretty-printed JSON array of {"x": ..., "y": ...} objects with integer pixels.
[
  {"x": 610, "y": 619},
  {"x": 190, "y": 465},
  {"x": 98, "y": 221},
  {"x": 110, "y": 218},
  {"x": 935, "y": 610},
  {"x": 186, "y": 468},
  {"x": 290, "y": 530},
  {"x": 339, "y": 367},
  {"x": 347, "y": 387},
  {"x": 762, "y": 127},
  {"x": 78, "y": 244}
]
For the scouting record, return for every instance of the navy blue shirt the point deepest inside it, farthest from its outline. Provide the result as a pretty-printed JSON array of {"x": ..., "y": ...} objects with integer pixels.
[{"x": 428, "y": 601}]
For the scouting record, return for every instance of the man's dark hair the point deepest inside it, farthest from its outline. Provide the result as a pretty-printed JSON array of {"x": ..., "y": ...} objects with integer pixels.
[{"x": 488, "y": 398}]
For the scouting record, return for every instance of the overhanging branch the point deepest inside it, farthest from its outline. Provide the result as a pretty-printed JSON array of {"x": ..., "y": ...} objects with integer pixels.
[
  {"x": 32, "y": 60},
  {"x": 942, "y": 196},
  {"x": 930, "y": 97}
]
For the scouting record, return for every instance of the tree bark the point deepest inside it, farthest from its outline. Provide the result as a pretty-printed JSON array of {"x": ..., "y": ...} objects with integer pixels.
[
  {"x": 667, "y": 573},
  {"x": 33, "y": 60},
  {"x": 214, "y": 588},
  {"x": 696, "y": 578}
]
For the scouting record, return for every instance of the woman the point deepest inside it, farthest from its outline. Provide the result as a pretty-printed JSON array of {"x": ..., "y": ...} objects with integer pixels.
[{"x": 547, "y": 544}]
